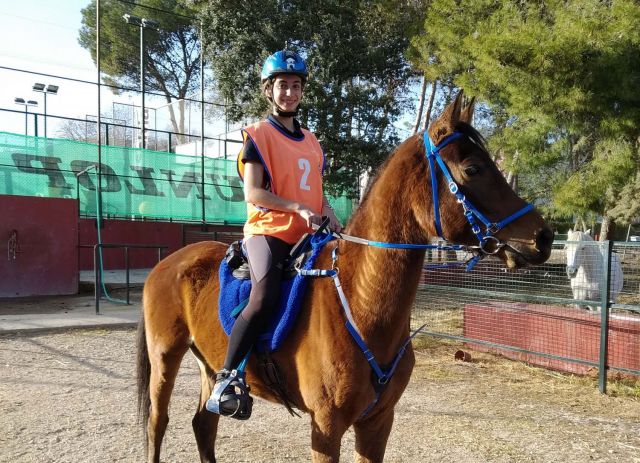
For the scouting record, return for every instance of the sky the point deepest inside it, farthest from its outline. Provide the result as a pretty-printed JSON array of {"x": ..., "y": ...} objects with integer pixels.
[{"x": 42, "y": 36}]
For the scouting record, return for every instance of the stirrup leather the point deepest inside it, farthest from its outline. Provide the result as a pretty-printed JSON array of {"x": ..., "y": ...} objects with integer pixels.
[{"x": 230, "y": 395}]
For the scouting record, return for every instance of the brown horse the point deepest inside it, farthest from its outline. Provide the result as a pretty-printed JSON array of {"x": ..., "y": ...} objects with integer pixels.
[{"x": 324, "y": 371}]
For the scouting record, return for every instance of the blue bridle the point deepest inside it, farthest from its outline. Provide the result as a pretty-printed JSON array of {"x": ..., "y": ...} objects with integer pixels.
[{"x": 471, "y": 212}]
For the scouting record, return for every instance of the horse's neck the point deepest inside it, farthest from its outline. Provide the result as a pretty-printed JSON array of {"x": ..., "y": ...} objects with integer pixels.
[{"x": 380, "y": 283}]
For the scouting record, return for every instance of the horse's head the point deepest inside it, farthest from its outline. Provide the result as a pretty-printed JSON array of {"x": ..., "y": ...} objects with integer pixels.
[
  {"x": 575, "y": 251},
  {"x": 514, "y": 231}
]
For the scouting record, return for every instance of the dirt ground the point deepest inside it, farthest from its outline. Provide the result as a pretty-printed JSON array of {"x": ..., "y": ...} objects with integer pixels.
[{"x": 70, "y": 397}]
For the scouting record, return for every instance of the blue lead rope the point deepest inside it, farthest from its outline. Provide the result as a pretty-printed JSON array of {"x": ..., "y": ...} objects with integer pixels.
[{"x": 438, "y": 247}]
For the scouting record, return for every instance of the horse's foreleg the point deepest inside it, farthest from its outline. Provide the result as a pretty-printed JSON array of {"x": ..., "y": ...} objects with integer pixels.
[
  {"x": 372, "y": 434},
  {"x": 326, "y": 434},
  {"x": 164, "y": 369},
  {"x": 205, "y": 424}
]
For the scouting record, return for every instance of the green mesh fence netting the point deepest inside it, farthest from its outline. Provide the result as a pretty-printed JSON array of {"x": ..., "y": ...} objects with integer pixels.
[{"x": 135, "y": 183}]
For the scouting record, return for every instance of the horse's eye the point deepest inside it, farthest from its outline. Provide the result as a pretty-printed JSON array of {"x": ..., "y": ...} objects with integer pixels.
[{"x": 472, "y": 170}]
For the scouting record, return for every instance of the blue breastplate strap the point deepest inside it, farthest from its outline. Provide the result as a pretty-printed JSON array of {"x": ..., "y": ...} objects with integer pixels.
[
  {"x": 382, "y": 376},
  {"x": 472, "y": 214}
]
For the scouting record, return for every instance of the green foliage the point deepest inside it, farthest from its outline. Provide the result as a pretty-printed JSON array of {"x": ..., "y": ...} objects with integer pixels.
[
  {"x": 611, "y": 167},
  {"x": 358, "y": 72},
  {"x": 627, "y": 210},
  {"x": 560, "y": 77}
]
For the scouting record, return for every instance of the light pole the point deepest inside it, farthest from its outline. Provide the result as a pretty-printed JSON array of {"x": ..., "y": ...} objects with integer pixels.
[
  {"x": 49, "y": 90},
  {"x": 26, "y": 104},
  {"x": 142, "y": 23}
]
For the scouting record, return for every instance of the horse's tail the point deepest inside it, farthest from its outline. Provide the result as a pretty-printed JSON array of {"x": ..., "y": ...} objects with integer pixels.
[{"x": 144, "y": 375}]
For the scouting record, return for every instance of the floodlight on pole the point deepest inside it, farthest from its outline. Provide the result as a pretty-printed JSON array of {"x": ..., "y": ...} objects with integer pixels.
[
  {"x": 150, "y": 24},
  {"x": 130, "y": 19},
  {"x": 46, "y": 90},
  {"x": 26, "y": 104},
  {"x": 142, "y": 23}
]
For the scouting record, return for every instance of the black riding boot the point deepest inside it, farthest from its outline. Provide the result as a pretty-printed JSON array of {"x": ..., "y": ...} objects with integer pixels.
[{"x": 230, "y": 395}]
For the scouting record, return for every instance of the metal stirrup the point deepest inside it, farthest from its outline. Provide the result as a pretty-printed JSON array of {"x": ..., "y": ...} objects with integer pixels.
[{"x": 225, "y": 391}]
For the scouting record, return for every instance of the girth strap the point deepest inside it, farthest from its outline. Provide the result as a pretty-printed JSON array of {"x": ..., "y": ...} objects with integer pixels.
[{"x": 270, "y": 375}]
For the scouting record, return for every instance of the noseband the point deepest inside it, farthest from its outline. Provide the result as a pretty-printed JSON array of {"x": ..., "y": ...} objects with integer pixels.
[{"x": 471, "y": 212}]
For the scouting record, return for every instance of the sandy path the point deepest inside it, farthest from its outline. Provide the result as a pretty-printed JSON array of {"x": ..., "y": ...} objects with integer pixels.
[{"x": 70, "y": 397}]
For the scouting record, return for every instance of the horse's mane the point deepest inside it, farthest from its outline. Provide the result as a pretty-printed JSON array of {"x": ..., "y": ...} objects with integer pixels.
[
  {"x": 580, "y": 235},
  {"x": 466, "y": 129},
  {"x": 475, "y": 136}
]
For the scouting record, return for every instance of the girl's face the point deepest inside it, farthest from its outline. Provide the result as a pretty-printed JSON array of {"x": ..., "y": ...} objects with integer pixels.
[{"x": 287, "y": 91}]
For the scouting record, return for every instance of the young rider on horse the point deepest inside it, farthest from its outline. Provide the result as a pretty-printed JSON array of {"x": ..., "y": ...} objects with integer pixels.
[{"x": 281, "y": 165}]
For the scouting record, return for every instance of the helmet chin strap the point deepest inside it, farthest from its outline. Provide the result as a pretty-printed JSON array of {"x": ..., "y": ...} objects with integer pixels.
[{"x": 282, "y": 113}]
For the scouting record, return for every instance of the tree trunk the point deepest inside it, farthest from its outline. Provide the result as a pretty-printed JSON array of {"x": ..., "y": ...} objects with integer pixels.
[
  {"x": 181, "y": 121},
  {"x": 423, "y": 92},
  {"x": 512, "y": 177},
  {"x": 607, "y": 229},
  {"x": 177, "y": 121},
  {"x": 432, "y": 96}
]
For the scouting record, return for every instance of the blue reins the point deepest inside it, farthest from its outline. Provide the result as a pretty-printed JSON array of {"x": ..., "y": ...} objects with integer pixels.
[{"x": 472, "y": 214}]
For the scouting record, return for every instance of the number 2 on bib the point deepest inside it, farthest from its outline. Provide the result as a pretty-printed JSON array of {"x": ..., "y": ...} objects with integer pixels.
[{"x": 305, "y": 166}]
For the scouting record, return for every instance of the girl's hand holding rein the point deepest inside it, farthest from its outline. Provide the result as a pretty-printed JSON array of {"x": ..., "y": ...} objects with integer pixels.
[{"x": 308, "y": 215}]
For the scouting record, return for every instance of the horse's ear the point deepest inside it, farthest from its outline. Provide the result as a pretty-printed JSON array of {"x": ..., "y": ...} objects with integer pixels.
[
  {"x": 588, "y": 232},
  {"x": 447, "y": 121},
  {"x": 466, "y": 115}
]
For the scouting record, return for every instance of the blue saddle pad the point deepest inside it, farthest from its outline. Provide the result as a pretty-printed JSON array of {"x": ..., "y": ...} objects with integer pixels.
[{"x": 234, "y": 292}]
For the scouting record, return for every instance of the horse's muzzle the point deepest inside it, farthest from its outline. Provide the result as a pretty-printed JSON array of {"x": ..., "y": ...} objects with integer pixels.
[
  {"x": 572, "y": 271},
  {"x": 544, "y": 239}
]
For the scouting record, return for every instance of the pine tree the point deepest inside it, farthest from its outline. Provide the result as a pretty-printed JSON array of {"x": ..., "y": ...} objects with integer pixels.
[{"x": 560, "y": 80}]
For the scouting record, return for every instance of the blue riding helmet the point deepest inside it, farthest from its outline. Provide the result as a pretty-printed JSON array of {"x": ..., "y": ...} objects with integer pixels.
[{"x": 284, "y": 62}]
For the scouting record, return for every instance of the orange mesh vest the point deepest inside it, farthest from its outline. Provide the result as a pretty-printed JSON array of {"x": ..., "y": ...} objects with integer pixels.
[{"x": 294, "y": 169}]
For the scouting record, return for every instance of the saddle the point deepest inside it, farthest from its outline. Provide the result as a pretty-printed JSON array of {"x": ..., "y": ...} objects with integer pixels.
[
  {"x": 237, "y": 261},
  {"x": 235, "y": 287}
]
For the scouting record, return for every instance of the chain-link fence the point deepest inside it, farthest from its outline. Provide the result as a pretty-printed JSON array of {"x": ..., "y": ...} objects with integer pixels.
[{"x": 549, "y": 315}]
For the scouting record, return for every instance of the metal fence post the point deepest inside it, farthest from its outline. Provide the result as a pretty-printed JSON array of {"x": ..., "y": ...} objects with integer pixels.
[
  {"x": 605, "y": 284},
  {"x": 126, "y": 264},
  {"x": 97, "y": 276}
]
